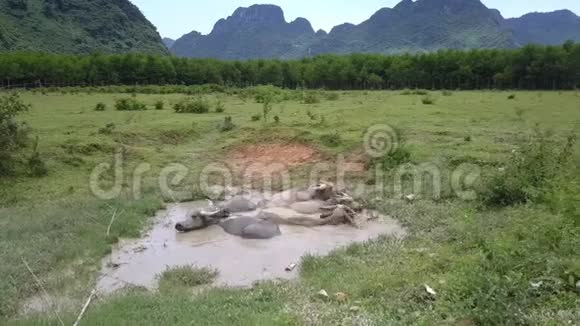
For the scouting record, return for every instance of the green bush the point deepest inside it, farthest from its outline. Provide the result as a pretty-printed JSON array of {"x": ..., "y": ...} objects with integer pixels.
[
  {"x": 197, "y": 105},
  {"x": 159, "y": 105},
  {"x": 13, "y": 135},
  {"x": 397, "y": 156},
  {"x": 228, "y": 125},
  {"x": 36, "y": 166},
  {"x": 108, "y": 129},
  {"x": 532, "y": 172},
  {"x": 331, "y": 96},
  {"x": 512, "y": 97},
  {"x": 265, "y": 94},
  {"x": 331, "y": 140},
  {"x": 129, "y": 104},
  {"x": 407, "y": 91},
  {"x": 220, "y": 107},
  {"x": 100, "y": 107},
  {"x": 310, "y": 98},
  {"x": 428, "y": 100}
]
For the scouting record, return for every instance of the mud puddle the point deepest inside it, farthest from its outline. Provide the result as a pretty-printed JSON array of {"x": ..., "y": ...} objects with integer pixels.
[{"x": 240, "y": 262}]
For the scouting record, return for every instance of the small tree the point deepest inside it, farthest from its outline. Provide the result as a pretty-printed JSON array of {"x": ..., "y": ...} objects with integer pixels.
[{"x": 13, "y": 135}]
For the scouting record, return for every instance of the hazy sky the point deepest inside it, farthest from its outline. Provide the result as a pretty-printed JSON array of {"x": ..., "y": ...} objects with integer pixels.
[{"x": 174, "y": 18}]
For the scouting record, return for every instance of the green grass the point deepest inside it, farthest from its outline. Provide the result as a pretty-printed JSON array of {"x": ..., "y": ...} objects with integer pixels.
[
  {"x": 185, "y": 277},
  {"x": 481, "y": 262}
]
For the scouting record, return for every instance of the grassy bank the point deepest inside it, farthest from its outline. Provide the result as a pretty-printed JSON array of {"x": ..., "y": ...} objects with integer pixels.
[{"x": 484, "y": 263}]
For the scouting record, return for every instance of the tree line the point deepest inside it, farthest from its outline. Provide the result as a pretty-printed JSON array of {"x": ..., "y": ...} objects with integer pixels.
[{"x": 530, "y": 67}]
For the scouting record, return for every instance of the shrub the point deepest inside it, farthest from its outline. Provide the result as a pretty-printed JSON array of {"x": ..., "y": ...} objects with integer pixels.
[
  {"x": 129, "y": 104},
  {"x": 108, "y": 129},
  {"x": 331, "y": 96},
  {"x": 228, "y": 125},
  {"x": 220, "y": 107},
  {"x": 276, "y": 119},
  {"x": 310, "y": 98},
  {"x": 264, "y": 94},
  {"x": 512, "y": 97},
  {"x": 331, "y": 140},
  {"x": 13, "y": 135},
  {"x": 407, "y": 91},
  {"x": 36, "y": 166},
  {"x": 198, "y": 106},
  {"x": 531, "y": 172},
  {"x": 159, "y": 105},
  {"x": 398, "y": 155},
  {"x": 428, "y": 100},
  {"x": 100, "y": 107},
  {"x": 311, "y": 115},
  {"x": 256, "y": 117}
]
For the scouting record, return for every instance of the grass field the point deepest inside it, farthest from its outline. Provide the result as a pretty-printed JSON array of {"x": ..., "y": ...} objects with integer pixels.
[{"x": 484, "y": 263}]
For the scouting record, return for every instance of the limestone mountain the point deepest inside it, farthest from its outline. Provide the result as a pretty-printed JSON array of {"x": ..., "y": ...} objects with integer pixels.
[
  {"x": 260, "y": 31},
  {"x": 168, "y": 42},
  {"x": 550, "y": 28},
  {"x": 423, "y": 25},
  {"x": 76, "y": 27}
]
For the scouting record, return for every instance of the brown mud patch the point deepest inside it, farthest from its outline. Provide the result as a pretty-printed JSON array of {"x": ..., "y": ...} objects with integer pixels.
[{"x": 262, "y": 159}]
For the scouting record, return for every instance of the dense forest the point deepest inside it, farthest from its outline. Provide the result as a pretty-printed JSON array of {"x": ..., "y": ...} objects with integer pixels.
[{"x": 531, "y": 67}]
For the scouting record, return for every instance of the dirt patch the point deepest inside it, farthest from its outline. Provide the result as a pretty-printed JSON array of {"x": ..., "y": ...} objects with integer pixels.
[{"x": 271, "y": 158}]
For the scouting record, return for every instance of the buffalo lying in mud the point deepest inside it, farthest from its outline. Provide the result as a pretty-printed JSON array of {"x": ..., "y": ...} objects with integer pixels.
[{"x": 336, "y": 207}]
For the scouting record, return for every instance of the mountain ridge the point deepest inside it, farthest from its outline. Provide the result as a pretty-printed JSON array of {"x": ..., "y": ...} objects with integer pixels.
[
  {"x": 76, "y": 27},
  {"x": 410, "y": 26}
]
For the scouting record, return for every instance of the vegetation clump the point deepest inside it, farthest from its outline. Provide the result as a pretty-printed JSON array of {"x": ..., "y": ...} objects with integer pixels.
[
  {"x": 159, "y": 105},
  {"x": 532, "y": 172},
  {"x": 310, "y": 98},
  {"x": 331, "y": 96},
  {"x": 428, "y": 100},
  {"x": 36, "y": 165},
  {"x": 220, "y": 107},
  {"x": 331, "y": 140},
  {"x": 228, "y": 125},
  {"x": 13, "y": 134},
  {"x": 197, "y": 105},
  {"x": 178, "y": 278},
  {"x": 129, "y": 104},
  {"x": 398, "y": 155},
  {"x": 108, "y": 129},
  {"x": 100, "y": 107}
]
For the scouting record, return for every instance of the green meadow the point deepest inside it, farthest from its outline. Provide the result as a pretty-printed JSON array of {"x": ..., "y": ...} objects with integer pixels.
[{"x": 508, "y": 256}]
